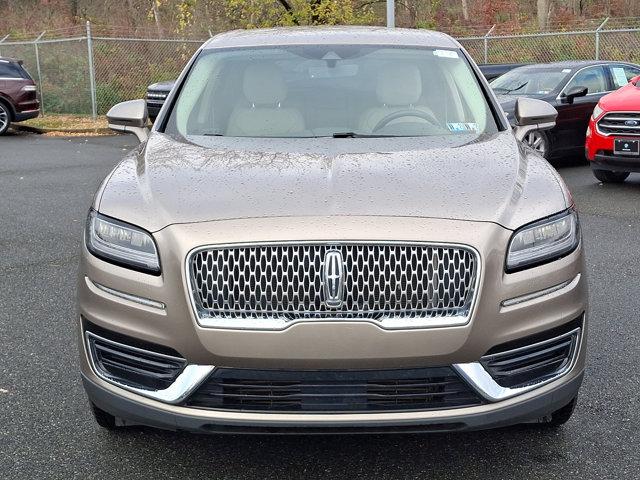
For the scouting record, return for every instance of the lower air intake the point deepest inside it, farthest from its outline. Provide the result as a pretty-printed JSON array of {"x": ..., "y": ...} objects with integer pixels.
[{"x": 333, "y": 390}]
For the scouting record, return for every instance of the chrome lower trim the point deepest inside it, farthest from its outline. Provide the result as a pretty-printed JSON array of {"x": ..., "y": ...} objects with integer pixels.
[
  {"x": 147, "y": 302},
  {"x": 188, "y": 380},
  {"x": 473, "y": 373},
  {"x": 565, "y": 286},
  {"x": 476, "y": 375}
]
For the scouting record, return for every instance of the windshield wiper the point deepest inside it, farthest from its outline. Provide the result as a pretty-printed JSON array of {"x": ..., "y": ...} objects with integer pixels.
[
  {"x": 358, "y": 135},
  {"x": 510, "y": 90}
]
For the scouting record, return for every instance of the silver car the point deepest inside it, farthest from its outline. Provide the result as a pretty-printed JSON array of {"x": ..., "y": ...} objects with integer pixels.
[{"x": 332, "y": 230}]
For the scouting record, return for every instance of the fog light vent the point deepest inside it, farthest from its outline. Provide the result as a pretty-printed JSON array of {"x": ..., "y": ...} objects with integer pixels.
[
  {"x": 533, "y": 363},
  {"x": 133, "y": 366}
]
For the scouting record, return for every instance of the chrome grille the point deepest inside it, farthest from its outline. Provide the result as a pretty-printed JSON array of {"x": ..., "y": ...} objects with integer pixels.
[
  {"x": 620, "y": 123},
  {"x": 274, "y": 285}
]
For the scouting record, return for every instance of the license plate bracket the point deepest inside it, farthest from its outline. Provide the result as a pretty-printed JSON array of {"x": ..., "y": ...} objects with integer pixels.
[{"x": 624, "y": 146}]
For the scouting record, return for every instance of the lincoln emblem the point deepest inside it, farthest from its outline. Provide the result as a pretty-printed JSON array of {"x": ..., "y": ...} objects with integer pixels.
[{"x": 333, "y": 279}]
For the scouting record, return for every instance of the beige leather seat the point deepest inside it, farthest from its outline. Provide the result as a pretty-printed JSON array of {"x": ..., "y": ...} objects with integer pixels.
[
  {"x": 262, "y": 113},
  {"x": 399, "y": 87}
]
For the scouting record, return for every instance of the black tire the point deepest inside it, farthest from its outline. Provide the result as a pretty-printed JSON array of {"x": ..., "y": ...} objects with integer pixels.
[
  {"x": 5, "y": 118},
  {"x": 104, "y": 419},
  {"x": 607, "y": 176},
  {"x": 562, "y": 415},
  {"x": 540, "y": 142}
]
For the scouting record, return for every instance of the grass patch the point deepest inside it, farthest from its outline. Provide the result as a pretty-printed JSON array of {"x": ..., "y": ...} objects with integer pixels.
[{"x": 67, "y": 122}]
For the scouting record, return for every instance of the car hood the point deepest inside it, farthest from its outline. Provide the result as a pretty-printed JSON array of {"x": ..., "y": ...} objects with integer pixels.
[
  {"x": 162, "y": 86},
  {"x": 626, "y": 98},
  {"x": 490, "y": 179}
]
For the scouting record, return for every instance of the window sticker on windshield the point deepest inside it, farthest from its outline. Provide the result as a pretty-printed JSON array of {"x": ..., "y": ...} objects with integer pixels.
[
  {"x": 619, "y": 76},
  {"x": 566, "y": 70},
  {"x": 446, "y": 53},
  {"x": 463, "y": 127}
]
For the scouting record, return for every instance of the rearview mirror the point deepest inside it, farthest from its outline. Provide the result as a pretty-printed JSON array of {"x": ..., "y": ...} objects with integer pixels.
[
  {"x": 573, "y": 93},
  {"x": 130, "y": 117},
  {"x": 532, "y": 114}
]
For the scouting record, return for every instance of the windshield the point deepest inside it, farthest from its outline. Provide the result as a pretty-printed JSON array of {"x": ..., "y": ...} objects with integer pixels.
[
  {"x": 330, "y": 90},
  {"x": 528, "y": 81}
]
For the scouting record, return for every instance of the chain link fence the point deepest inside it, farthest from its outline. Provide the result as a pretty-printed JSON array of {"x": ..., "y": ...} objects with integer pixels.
[{"x": 83, "y": 72}]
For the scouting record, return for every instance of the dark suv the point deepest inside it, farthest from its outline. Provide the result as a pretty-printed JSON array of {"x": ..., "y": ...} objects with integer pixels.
[
  {"x": 157, "y": 93},
  {"x": 18, "y": 94}
]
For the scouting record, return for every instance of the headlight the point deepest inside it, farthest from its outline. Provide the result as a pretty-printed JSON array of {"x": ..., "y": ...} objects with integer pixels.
[
  {"x": 597, "y": 110},
  {"x": 121, "y": 243},
  {"x": 543, "y": 241}
]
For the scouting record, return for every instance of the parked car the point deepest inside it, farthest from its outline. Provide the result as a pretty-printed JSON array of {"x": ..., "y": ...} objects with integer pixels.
[
  {"x": 332, "y": 230},
  {"x": 491, "y": 71},
  {"x": 157, "y": 93},
  {"x": 18, "y": 94},
  {"x": 573, "y": 88},
  {"x": 613, "y": 135}
]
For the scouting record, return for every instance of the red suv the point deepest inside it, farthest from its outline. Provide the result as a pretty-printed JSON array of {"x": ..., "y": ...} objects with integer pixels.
[
  {"x": 613, "y": 135},
  {"x": 18, "y": 94}
]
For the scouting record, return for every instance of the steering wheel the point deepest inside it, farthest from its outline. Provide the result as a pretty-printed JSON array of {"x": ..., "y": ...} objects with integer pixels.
[{"x": 428, "y": 116}]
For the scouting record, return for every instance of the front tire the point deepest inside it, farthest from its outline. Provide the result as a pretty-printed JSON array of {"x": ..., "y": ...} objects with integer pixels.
[
  {"x": 5, "y": 118},
  {"x": 540, "y": 142},
  {"x": 607, "y": 176},
  {"x": 560, "y": 416},
  {"x": 102, "y": 418}
]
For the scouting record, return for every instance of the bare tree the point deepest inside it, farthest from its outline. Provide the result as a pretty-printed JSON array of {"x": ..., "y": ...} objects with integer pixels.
[
  {"x": 544, "y": 9},
  {"x": 156, "y": 16},
  {"x": 465, "y": 10}
]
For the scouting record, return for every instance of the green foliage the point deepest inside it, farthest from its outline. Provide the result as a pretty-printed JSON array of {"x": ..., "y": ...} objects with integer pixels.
[
  {"x": 185, "y": 10},
  {"x": 271, "y": 13}
]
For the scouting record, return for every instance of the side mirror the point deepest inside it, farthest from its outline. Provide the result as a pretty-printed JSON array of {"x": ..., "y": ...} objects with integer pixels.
[
  {"x": 130, "y": 117},
  {"x": 635, "y": 79},
  {"x": 532, "y": 114},
  {"x": 573, "y": 93}
]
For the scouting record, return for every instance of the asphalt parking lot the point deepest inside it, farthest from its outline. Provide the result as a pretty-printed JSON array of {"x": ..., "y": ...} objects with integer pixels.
[{"x": 46, "y": 429}]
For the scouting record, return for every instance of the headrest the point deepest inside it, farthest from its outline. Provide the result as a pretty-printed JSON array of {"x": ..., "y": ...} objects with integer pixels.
[
  {"x": 263, "y": 84},
  {"x": 399, "y": 84}
]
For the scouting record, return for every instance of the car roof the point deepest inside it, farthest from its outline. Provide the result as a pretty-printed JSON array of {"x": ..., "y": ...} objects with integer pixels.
[
  {"x": 572, "y": 64},
  {"x": 331, "y": 36}
]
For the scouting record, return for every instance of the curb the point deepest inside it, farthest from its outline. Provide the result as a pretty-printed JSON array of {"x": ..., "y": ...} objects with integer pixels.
[{"x": 40, "y": 130}]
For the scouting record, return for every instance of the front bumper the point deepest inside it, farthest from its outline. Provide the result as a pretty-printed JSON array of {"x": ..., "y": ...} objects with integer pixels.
[
  {"x": 527, "y": 408},
  {"x": 504, "y": 312},
  {"x": 615, "y": 163}
]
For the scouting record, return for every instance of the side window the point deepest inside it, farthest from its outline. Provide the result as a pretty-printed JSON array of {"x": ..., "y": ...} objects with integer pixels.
[
  {"x": 593, "y": 78},
  {"x": 631, "y": 72},
  {"x": 621, "y": 74},
  {"x": 9, "y": 70},
  {"x": 5, "y": 71}
]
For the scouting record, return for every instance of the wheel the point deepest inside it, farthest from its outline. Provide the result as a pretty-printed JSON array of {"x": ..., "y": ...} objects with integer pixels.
[
  {"x": 539, "y": 141},
  {"x": 104, "y": 419},
  {"x": 5, "y": 118},
  {"x": 560, "y": 416},
  {"x": 607, "y": 176}
]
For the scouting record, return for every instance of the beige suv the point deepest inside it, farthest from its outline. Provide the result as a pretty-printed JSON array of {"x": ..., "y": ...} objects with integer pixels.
[{"x": 331, "y": 230}]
